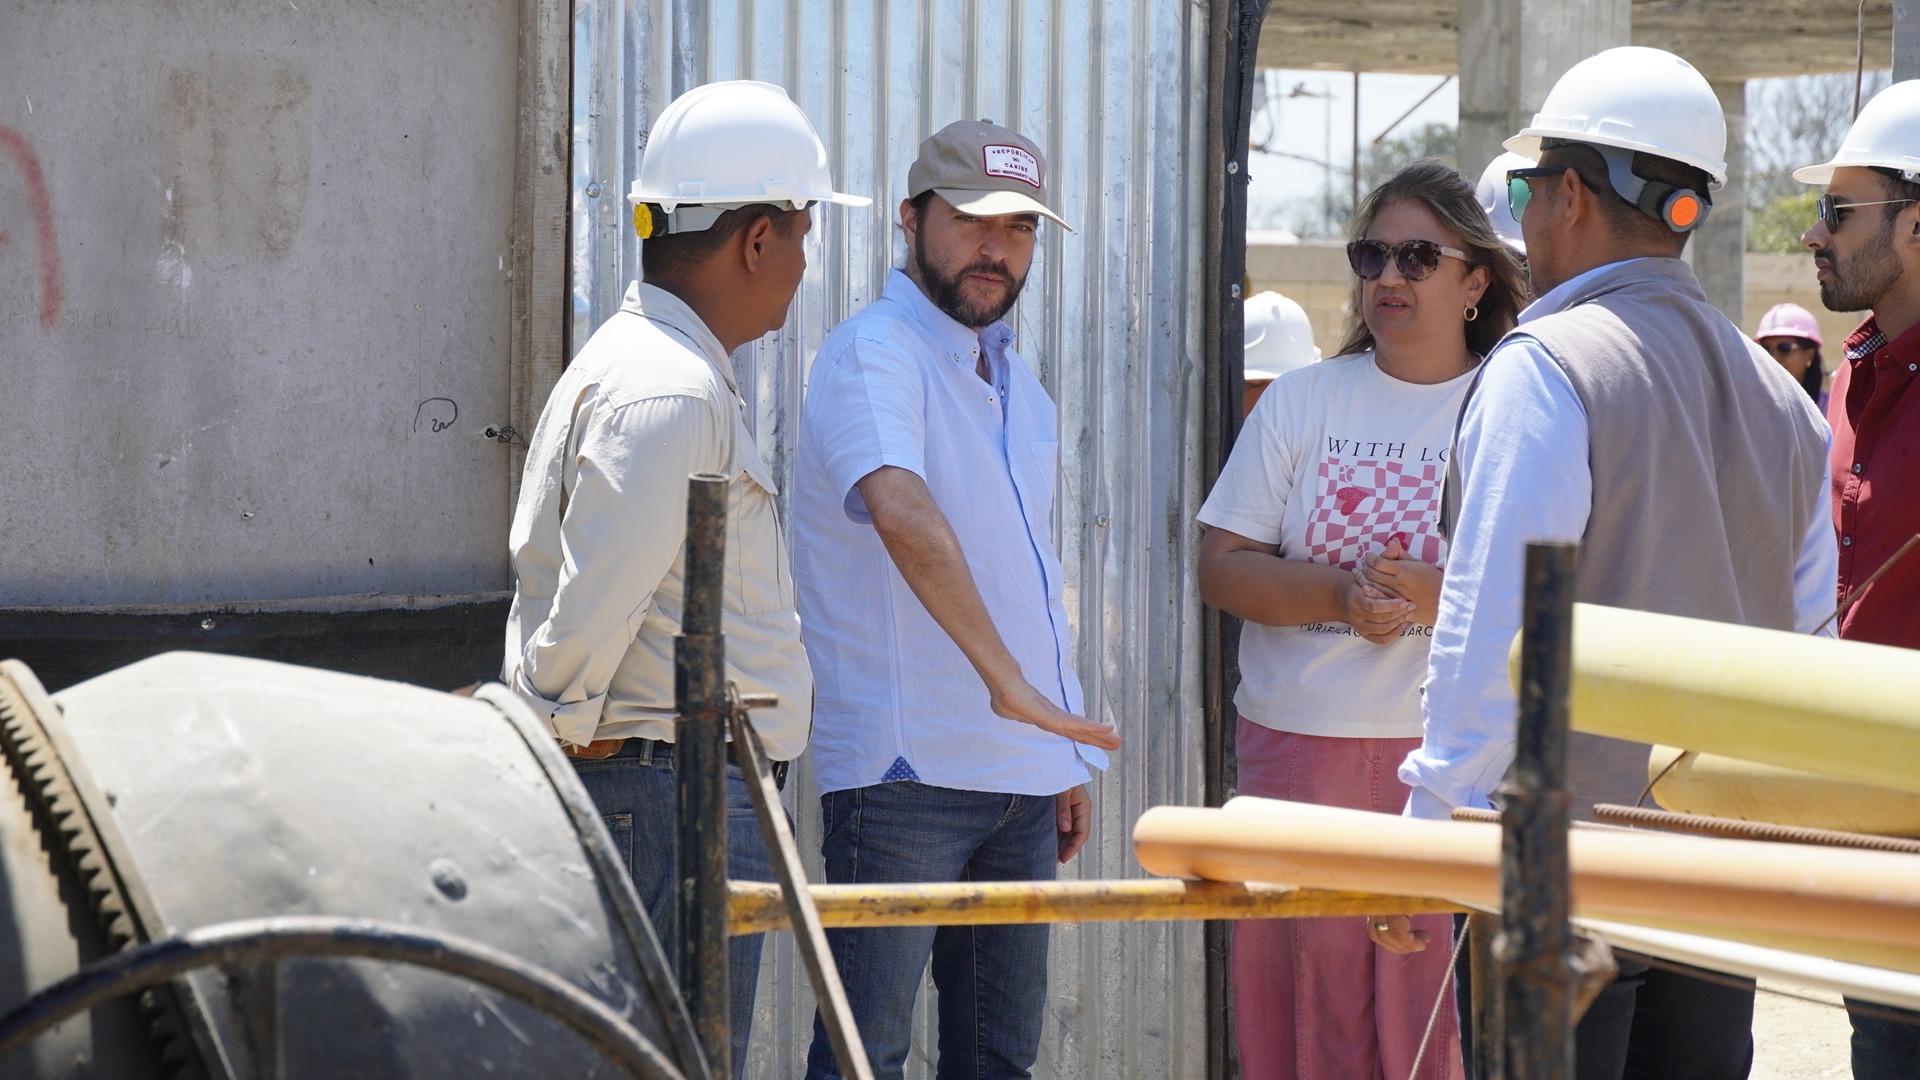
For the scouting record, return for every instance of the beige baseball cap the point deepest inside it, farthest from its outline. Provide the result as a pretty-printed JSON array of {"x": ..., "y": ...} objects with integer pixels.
[{"x": 983, "y": 168}]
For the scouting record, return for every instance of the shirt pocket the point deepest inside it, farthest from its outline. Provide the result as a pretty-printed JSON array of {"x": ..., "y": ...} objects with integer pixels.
[{"x": 756, "y": 554}]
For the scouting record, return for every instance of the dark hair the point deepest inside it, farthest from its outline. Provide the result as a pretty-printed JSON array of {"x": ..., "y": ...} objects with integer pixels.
[
  {"x": 1448, "y": 196},
  {"x": 679, "y": 252},
  {"x": 1591, "y": 167},
  {"x": 1812, "y": 379},
  {"x": 919, "y": 202},
  {"x": 1897, "y": 187}
]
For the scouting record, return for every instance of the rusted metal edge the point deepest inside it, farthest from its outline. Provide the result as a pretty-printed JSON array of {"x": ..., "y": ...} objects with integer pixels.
[
  {"x": 700, "y": 772},
  {"x": 1535, "y": 948}
]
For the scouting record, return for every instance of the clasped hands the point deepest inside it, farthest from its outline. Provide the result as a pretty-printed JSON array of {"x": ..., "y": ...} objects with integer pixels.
[{"x": 1390, "y": 592}]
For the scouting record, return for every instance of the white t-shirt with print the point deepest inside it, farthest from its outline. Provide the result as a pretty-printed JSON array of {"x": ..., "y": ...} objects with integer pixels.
[{"x": 1336, "y": 459}]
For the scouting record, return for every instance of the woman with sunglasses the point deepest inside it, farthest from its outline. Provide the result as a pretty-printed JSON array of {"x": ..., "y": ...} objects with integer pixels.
[
  {"x": 1340, "y": 463},
  {"x": 1791, "y": 335}
]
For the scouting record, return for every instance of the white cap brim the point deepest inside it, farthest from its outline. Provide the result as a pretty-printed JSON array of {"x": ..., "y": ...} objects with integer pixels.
[
  {"x": 1818, "y": 175},
  {"x": 840, "y": 198},
  {"x": 998, "y": 203}
]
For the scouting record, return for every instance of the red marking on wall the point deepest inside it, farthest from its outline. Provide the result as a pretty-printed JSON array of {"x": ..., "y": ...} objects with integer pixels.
[{"x": 23, "y": 156}]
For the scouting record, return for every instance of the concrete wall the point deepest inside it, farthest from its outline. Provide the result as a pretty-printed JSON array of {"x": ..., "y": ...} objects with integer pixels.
[
  {"x": 1316, "y": 275},
  {"x": 253, "y": 298}
]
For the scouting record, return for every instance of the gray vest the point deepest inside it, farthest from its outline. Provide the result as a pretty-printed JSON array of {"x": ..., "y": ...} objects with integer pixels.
[{"x": 1707, "y": 459}]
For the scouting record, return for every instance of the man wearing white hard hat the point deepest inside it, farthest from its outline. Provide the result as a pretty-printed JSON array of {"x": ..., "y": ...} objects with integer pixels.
[
  {"x": 947, "y": 741},
  {"x": 1588, "y": 425},
  {"x": 1866, "y": 254},
  {"x": 1279, "y": 339},
  {"x": 722, "y": 211}
]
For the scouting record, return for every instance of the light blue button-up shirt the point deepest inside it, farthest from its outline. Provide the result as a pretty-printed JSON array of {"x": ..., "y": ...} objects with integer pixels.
[{"x": 895, "y": 699}]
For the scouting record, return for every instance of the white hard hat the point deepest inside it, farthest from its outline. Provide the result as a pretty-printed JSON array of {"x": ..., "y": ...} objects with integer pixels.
[
  {"x": 1278, "y": 336},
  {"x": 1634, "y": 98},
  {"x": 731, "y": 144},
  {"x": 1492, "y": 193},
  {"x": 1885, "y": 134}
]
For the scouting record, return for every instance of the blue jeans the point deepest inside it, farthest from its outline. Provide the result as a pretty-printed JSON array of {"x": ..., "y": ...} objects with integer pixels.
[
  {"x": 634, "y": 792},
  {"x": 1885, "y": 1047},
  {"x": 991, "y": 980}
]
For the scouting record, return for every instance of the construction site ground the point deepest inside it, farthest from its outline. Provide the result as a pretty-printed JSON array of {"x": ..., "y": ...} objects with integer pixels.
[{"x": 1796, "y": 1038}]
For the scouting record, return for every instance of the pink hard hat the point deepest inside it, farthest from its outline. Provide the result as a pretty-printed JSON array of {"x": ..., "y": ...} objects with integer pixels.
[{"x": 1788, "y": 320}]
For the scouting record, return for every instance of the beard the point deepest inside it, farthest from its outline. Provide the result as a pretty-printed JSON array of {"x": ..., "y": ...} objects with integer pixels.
[
  {"x": 944, "y": 291},
  {"x": 1859, "y": 282}
]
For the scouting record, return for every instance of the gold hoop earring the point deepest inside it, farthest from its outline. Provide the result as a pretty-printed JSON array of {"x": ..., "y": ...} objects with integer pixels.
[{"x": 1472, "y": 313}]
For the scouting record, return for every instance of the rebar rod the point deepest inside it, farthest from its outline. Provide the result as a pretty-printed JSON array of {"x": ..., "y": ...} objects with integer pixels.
[
  {"x": 1535, "y": 946},
  {"x": 700, "y": 772}
]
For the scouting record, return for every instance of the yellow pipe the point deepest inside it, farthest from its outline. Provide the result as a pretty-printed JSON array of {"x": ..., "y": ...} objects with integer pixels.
[
  {"x": 1843, "y": 709},
  {"x": 756, "y": 907},
  {"x": 1728, "y": 787},
  {"x": 1825, "y": 901}
]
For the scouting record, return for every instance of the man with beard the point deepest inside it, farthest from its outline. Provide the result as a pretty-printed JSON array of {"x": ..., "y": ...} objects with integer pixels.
[
  {"x": 946, "y": 738},
  {"x": 1866, "y": 253}
]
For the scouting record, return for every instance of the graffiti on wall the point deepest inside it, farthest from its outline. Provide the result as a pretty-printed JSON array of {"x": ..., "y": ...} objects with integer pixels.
[{"x": 26, "y": 166}]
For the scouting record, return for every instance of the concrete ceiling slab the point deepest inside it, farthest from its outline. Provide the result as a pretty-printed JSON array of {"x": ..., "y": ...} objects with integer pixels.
[{"x": 1727, "y": 41}]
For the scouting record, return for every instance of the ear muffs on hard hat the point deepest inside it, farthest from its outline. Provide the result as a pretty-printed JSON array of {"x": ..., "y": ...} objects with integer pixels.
[
  {"x": 1681, "y": 209},
  {"x": 1678, "y": 208},
  {"x": 643, "y": 226}
]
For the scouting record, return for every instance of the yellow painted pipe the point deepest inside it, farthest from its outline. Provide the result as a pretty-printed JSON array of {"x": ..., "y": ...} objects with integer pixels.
[
  {"x": 1731, "y": 788},
  {"x": 1796, "y": 896},
  {"x": 756, "y": 907},
  {"x": 1843, "y": 709}
]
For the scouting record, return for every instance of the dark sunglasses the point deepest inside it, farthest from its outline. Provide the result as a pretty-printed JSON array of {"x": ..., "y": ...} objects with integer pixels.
[
  {"x": 1415, "y": 258},
  {"x": 1789, "y": 346},
  {"x": 1519, "y": 192},
  {"x": 1829, "y": 210}
]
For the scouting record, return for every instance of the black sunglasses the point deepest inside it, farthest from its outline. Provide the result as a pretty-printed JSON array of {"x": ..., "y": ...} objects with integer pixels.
[
  {"x": 1789, "y": 346},
  {"x": 1829, "y": 209},
  {"x": 1415, "y": 258}
]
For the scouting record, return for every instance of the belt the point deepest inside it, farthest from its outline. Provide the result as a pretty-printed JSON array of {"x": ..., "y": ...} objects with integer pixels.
[{"x": 655, "y": 749}]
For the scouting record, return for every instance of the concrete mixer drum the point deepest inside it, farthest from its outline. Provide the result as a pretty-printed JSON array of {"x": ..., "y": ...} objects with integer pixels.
[{"x": 192, "y": 791}]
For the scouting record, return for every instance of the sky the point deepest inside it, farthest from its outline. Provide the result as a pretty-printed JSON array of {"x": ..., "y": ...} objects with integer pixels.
[{"x": 1299, "y": 126}]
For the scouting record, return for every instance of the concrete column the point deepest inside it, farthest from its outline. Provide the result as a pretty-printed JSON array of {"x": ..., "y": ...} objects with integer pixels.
[
  {"x": 1512, "y": 51},
  {"x": 1906, "y": 40},
  {"x": 1719, "y": 249}
]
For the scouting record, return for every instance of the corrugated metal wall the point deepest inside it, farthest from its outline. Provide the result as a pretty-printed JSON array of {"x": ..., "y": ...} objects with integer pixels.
[{"x": 1115, "y": 94}]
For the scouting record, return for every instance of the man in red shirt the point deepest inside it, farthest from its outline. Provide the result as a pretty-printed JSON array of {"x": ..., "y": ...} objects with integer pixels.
[{"x": 1866, "y": 252}]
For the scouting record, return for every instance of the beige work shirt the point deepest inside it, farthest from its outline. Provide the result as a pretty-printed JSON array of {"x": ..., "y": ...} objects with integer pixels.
[{"x": 599, "y": 534}]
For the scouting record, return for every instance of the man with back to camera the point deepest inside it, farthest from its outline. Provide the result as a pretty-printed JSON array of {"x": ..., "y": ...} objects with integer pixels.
[
  {"x": 721, "y": 205},
  {"x": 946, "y": 739},
  {"x": 1866, "y": 254},
  {"x": 1584, "y": 426}
]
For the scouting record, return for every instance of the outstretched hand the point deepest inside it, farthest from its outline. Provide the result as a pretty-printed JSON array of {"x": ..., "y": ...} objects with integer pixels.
[{"x": 1029, "y": 706}]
